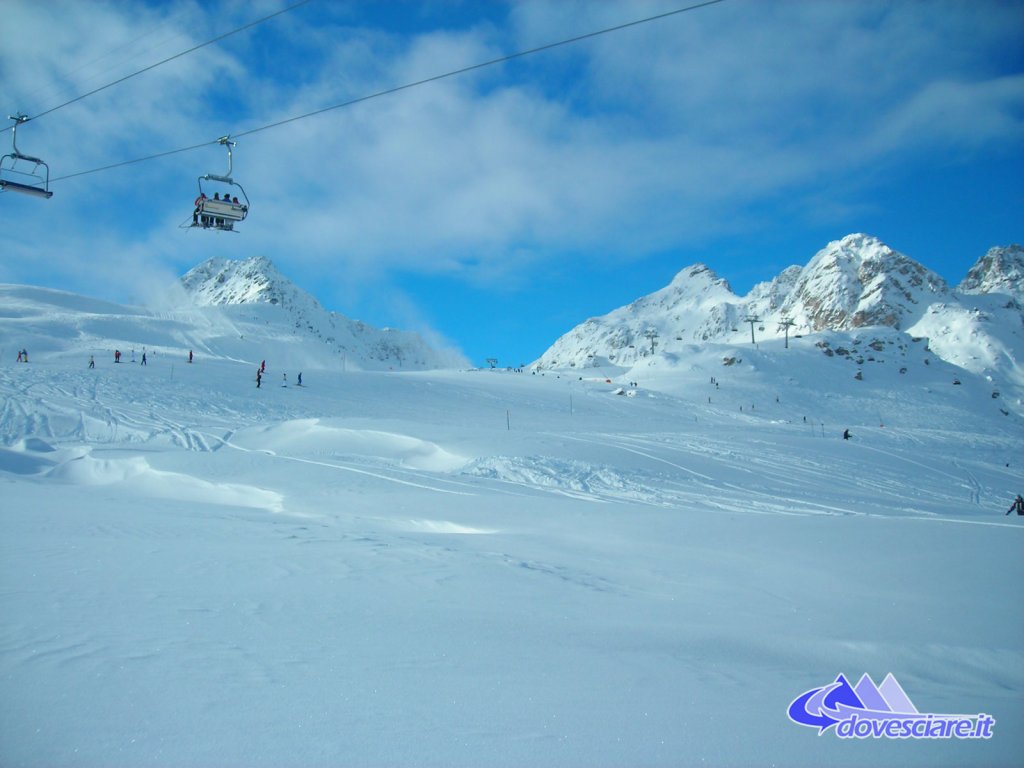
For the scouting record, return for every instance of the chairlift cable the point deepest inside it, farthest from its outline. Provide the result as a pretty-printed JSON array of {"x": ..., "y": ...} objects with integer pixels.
[
  {"x": 136, "y": 160},
  {"x": 472, "y": 67},
  {"x": 110, "y": 53},
  {"x": 194, "y": 48},
  {"x": 398, "y": 88}
]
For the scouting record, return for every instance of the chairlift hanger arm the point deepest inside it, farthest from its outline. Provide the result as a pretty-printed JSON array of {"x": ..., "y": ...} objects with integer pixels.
[{"x": 18, "y": 120}]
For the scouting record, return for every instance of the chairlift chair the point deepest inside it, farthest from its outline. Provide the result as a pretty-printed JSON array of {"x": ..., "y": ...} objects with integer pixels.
[
  {"x": 219, "y": 213},
  {"x": 13, "y": 178}
]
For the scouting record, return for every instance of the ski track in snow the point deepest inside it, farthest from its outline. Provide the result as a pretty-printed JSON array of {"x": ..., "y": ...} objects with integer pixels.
[
  {"x": 192, "y": 563},
  {"x": 69, "y": 410},
  {"x": 344, "y": 468}
]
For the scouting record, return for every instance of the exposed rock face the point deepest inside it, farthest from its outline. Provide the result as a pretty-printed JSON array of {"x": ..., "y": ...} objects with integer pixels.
[
  {"x": 860, "y": 281},
  {"x": 1001, "y": 270},
  {"x": 852, "y": 283}
]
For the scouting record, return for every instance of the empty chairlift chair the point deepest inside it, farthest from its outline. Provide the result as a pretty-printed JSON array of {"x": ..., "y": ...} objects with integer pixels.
[{"x": 15, "y": 175}]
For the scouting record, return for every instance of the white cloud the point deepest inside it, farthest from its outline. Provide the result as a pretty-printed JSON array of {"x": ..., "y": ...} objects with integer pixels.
[{"x": 655, "y": 137}]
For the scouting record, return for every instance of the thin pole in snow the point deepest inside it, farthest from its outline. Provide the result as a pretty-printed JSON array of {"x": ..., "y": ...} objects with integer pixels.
[{"x": 508, "y": 421}]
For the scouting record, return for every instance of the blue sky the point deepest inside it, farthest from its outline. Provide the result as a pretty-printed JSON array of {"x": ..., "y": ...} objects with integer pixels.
[{"x": 497, "y": 209}]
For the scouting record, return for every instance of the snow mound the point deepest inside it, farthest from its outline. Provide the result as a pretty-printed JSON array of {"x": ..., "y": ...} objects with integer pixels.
[
  {"x": 318, "y": 438},
  {"x": 137, "y": 473}
]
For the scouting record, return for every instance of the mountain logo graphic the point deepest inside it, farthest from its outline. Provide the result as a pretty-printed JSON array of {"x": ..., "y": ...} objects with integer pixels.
[{"x": 867, "y": 710}]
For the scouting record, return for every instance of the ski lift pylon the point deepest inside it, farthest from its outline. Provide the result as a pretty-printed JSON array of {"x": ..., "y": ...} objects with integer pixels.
[
  {"x": 27, "y": 182},
  {"x": 219, "y": 213}
]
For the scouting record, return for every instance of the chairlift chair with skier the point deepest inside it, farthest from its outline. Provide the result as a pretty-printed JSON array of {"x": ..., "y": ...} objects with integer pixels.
[
  {"x": 217, "y": 207},
  {"x": 14, "y": 173}
]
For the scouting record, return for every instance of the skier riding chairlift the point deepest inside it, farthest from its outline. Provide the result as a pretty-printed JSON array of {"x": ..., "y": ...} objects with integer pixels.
[{"x": 223, "y": 211}]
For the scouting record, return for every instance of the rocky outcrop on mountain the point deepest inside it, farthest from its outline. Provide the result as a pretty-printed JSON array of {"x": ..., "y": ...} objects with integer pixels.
[
  {"x": 859, "y": 281},
  {"x": 853, "y": 283},
  {"x": 1001, "y": 270}
]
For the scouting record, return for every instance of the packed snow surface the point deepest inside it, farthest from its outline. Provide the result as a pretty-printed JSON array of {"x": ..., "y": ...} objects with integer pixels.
[{"x": 610, "y": 567}]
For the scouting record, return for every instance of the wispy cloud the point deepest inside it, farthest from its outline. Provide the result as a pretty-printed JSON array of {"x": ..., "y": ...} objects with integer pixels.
[{"x": 651, "y": 138}]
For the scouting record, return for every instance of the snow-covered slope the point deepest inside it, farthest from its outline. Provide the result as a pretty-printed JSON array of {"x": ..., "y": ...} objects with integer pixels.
[
  {"x": 243, "y": 310},
  {"x": 477, "y": 568},
  {"x": 256, "y": 283},
  {"x": 854, "y": 291}
]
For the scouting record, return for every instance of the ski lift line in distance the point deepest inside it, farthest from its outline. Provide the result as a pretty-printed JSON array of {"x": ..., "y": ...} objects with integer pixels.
[
  {"x": 406, "y": 86},
  {"x": 219, "y": 213},
  {"x": 31, "y": 182}
]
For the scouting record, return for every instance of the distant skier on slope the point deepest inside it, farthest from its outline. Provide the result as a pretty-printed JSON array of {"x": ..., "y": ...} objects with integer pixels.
[
  {"x": 259, "y": 377},
  {"x": 1018, "y": 504},
  {"x": 300, "y": 378},
  {"x": 846, "y": 434}
]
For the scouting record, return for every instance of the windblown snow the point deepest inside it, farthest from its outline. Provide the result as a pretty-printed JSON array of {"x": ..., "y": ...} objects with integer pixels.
[{"x": 612, "y": 562}]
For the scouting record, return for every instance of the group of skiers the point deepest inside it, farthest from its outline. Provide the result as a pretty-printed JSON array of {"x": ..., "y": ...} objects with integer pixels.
[
  {"x": 117, "y": 358},
  {"x": 284, "y": 376},
  {"x": 22, "y": 355},
  {"x": 260, "y": 372}
]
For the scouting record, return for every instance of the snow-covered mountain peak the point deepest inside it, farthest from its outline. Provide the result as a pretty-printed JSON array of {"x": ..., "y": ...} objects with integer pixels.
[
  {"x": 860, "y": 281},
  {"x": 254, "y": 280},
  {"x": 699, "y": 278},
  {"x": 853, "y": 283},
  {"x": 1001, "y": 270},
  {"x": 256, "y": 283}
]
